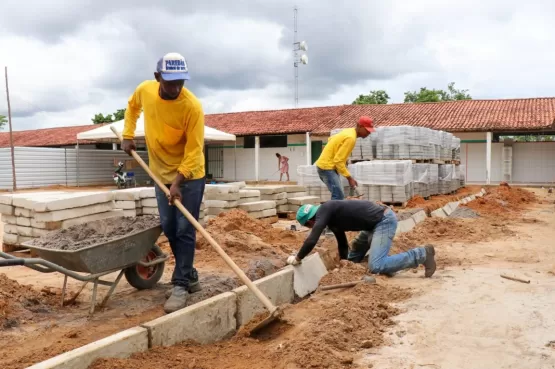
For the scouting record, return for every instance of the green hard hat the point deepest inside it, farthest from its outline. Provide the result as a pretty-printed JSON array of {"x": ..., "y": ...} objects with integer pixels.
[{"x": 306, "y": 212}]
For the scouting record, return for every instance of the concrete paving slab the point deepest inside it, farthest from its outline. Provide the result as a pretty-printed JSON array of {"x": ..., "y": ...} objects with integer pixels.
[
  {"x": 149, "y": 203},
  {"x": 220, "y": 204},
  {"x": 307, "y": 275},
  {"x": 220, "y": 188},
  {"x": 8, "y": 219},
  {"x": 282, "y": 208},
  {"x": 37, "y": 232},
  {"x": 448, "y": 209},
  {"x": 281, "y": 202},
  {"x": 22, "y": 212},
  {"x": 150, "y": 211},
  {"x": 205, "y": 322},
  {"x": 274, "y": 196},
  {"x": 245, "y": 200},
  {"x": 6, "y": 199},
  {"x": 147, "y": 192},
  {"x": 125, "y": 204},
  {"x": 294, "y": 188},
  {"x": 91, "y": 218},
  {"x": 296, "y": 194},
  {"x": 45, "y": 225},
  {"x": 130, "y": 213},
  {"x": 240, "y": 184},
  {"x": 23, "y": 221},
  {"x": 119, "y": 345},
  {"x": 257, "y": 205},
  {"x": 249, "y": 193},
  {"x": 263, "y": 213},
  {"x": 266, "y": 190},
  {"x": 68, "y": 200},
  {"x": 278, "y": 287},
  {"x": 10, "y": 239},
  {"x": 128, "y": 194},
  {"x": 65, "y": 214},
  {"x": 303, "y": 200},
  {"x": 439, "y": 213},
  {"x": 232, "y": 196},
  {"x": 6, "y": 210},
  {"x": 419, "y": 217},
  {"x": 11, "y": 228},
  {"x": 25, "y": 231},
  {"x": 405, "y": 226},
  {"x": 293, "y": 207}
]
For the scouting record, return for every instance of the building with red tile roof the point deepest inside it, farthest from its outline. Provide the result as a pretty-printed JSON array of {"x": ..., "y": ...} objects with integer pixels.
[{"x": 45, "y": 137}]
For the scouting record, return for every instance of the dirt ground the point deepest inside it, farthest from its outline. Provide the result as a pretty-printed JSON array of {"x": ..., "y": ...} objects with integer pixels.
[{"x": 345, "y": 328}]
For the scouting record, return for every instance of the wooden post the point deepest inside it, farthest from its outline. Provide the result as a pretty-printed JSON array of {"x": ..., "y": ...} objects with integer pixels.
[{"x": 14, "y": 186}]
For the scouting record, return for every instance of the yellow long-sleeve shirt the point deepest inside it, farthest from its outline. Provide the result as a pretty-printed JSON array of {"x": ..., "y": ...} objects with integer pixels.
[
  {"x": 337, "y": 151},
  {"x": 174, "y": 131}
]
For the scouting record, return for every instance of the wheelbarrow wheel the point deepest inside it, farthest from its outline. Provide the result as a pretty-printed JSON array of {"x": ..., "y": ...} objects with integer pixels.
[{"x": 143, "y": 278}]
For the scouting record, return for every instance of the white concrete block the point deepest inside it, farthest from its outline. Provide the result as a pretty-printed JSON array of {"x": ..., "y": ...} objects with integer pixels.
[
  {"x": 293, "y": 207},
  {"x": 25, "y": 231},
  {"x": 232, "y": 196},
  {"x": 91, "y": 218},
  {"x": 8, "y": 219},
  {"x": 419, "y": 217},
  {"x": 245, "y": 200},
  {"x": 303, "y": 200},
  {"x": 150, "y": 211},
  {"x": 129, "y": 194},
  {"x": 58, "y": 215},
  {"x": 22, "y": 221},
  {"x": 149, "y": 203},
  {"x": 147, "y": 192},
  {"x": 125, "y": 205},
  {"x": 263, "y": 213},
  {"x": 11, "y": 228},
  {"x": 257, "y": 206},
  {"x": 439, "y": 213},
  {"x": 6, "y": 199},
  {"x": 294, "y": 188},
  {"x": 10, "y": 239},
  {"x": 69, "y": 200},
  {"x": 22, "y": 212},
  {"x": 216, "y": 211},
  {"x": 282, "y": 208},
  {"x": 37, "y": 232},
  {"x": 472, "y": 198},
  {"x": 464, "y": 201},
  {"x": 249, "y": 193},
  {"x": 266, "y": 190},
  {"x": 479, "y": 194},
  {"x": 205, "y": 322},
  {"x": 296, "y": 194},
  {"x": 45, "y": 225},
  {"x": 281, "y": 202},
  {"x": 220, "y": 188},
  {"x": 278, "y": 287},
  {"x": 307, "y": 275},
  {"x": 130, "y": 213},
  {"x": 6, "y": 210},
  {"x": 220, "y": 204},
  {"x": 483, "y": 191},
  {"x": 405, "y": 226},
  {"x": 119, "y": 345},
  {"x": 274, "y": 196},
  {"x": 240, "y": 184}
]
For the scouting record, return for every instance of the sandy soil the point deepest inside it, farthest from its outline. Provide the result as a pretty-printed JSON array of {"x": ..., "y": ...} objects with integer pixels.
[{"x": 339, "y": 329}]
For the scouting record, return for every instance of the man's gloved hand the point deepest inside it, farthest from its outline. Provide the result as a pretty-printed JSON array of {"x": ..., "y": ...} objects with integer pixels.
[{"x": 293, "y": 260}]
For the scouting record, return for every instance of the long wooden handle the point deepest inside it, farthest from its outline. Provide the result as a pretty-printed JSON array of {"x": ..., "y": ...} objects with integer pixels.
[
  {"x": 341, "y": 285},
  {"x": 202, "y": 231}
]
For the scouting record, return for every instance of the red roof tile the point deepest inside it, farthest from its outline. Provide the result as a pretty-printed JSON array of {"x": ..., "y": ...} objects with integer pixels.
[
  {"x": 59, "y": 136},
  {"x": 455, "y": 116},
  {"x": 273, "y": 121}
]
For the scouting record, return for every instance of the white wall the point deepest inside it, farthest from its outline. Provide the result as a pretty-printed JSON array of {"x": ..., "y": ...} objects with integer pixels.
[
  {"x": 470, "y": 135},
  {"x": 533, "y": 162},
  {"x": 295, "y": 151},
  {"x": 473, "y": 155}
]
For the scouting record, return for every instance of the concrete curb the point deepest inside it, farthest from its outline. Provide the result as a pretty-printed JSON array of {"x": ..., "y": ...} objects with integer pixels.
[
  {"x": 306, "y": 277},
  {"x": 119, "y": 345},
  {"x": 405, "y": 226},
  {"x": 419, "y": 217},
  {"x": 438, "y": 213}
]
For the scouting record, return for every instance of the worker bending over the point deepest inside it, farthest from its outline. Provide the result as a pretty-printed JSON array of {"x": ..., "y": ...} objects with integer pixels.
[
  {"x": 174, "y": 133},
  {"x": 380, "y": 221},
  {"x": 333, "y": 161}
]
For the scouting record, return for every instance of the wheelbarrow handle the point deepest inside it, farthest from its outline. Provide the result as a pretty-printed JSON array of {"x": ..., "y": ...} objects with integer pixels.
[{"x": 12, "y": 262}]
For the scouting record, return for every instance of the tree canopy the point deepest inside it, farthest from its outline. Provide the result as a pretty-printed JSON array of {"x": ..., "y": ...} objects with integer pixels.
[
  {"x": 101, "y": 118},
  {"x": 433, "y": 95},
  {"x": 3, "y": 121},
  {"x": 374, "y": 97}
]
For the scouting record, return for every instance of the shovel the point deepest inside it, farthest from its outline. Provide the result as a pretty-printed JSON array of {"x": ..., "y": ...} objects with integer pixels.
[{"x": 275, "y": 312}]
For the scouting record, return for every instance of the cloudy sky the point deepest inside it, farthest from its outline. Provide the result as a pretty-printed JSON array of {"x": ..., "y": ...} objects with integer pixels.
[{"x": 68, "y": 60}]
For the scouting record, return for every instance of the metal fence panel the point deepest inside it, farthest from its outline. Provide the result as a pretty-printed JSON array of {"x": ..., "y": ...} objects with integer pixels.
[{"x": 39, "y": 167}]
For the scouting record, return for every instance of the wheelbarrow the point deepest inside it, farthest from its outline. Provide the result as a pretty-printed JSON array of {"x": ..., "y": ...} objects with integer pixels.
[{"x": 136, "y": 256}]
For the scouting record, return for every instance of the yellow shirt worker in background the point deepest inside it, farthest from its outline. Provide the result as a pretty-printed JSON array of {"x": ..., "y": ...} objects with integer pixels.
[
  {"x": 333, "y": 160},
  {"x": 174, "y": 134}
]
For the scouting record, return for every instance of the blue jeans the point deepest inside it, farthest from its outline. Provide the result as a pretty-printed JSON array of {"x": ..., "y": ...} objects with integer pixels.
[
  {"x": 379, "y": 242},
  {"x": 180, "y": 232},
  {"x": 333, "y": 182}
]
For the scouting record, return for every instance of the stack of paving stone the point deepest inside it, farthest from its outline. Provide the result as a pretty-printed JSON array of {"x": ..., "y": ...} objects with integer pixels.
[
  {"x": 456, "y": 180},
  {"x": 221, "y": 198},
  {"x": 294, "y": 203},
  {"x": 456, "y": 148},
  {"x": 462, "y": 176},
  {"x": 148, "y": 201},
  {"x": 433, "y": 181},
  {"x": 31, "y": 215},
  {"x": 421, "y": 178},
  {"x": 129, "y": 200},
  {"x": 260, "y": 209},
  {"x": 389, "y": 181},
  {"x": 446, "y": 145},
  {"x": 248, "y": 196},
  {"x": 404, "y": 142},
  {"x": 446, "y": 176}
]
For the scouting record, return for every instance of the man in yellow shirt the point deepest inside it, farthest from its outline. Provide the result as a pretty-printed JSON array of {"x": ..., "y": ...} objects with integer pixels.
[
  {"x": 332, "y": 162},
  {"x": 174, "y": 134}
]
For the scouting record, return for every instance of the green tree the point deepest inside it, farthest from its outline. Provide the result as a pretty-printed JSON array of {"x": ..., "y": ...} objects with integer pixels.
[
  {"x": 433, "y": 95},
  {"x": 117, "y": 116},
  {"x": 3, "y": 121},
  {"x": 374, "y": 97}
]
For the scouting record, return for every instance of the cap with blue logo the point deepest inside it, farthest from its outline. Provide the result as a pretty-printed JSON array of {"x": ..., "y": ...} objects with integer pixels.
[
  {"x": 306, "y": 212},
  {"x": 173, "y": 67}
]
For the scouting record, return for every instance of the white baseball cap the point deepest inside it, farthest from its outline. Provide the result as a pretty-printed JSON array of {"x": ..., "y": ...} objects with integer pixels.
[{"x": 173, "y": 67}]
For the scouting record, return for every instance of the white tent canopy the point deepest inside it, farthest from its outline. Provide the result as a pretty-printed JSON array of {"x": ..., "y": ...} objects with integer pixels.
[{"x": 104, "y": 133}]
